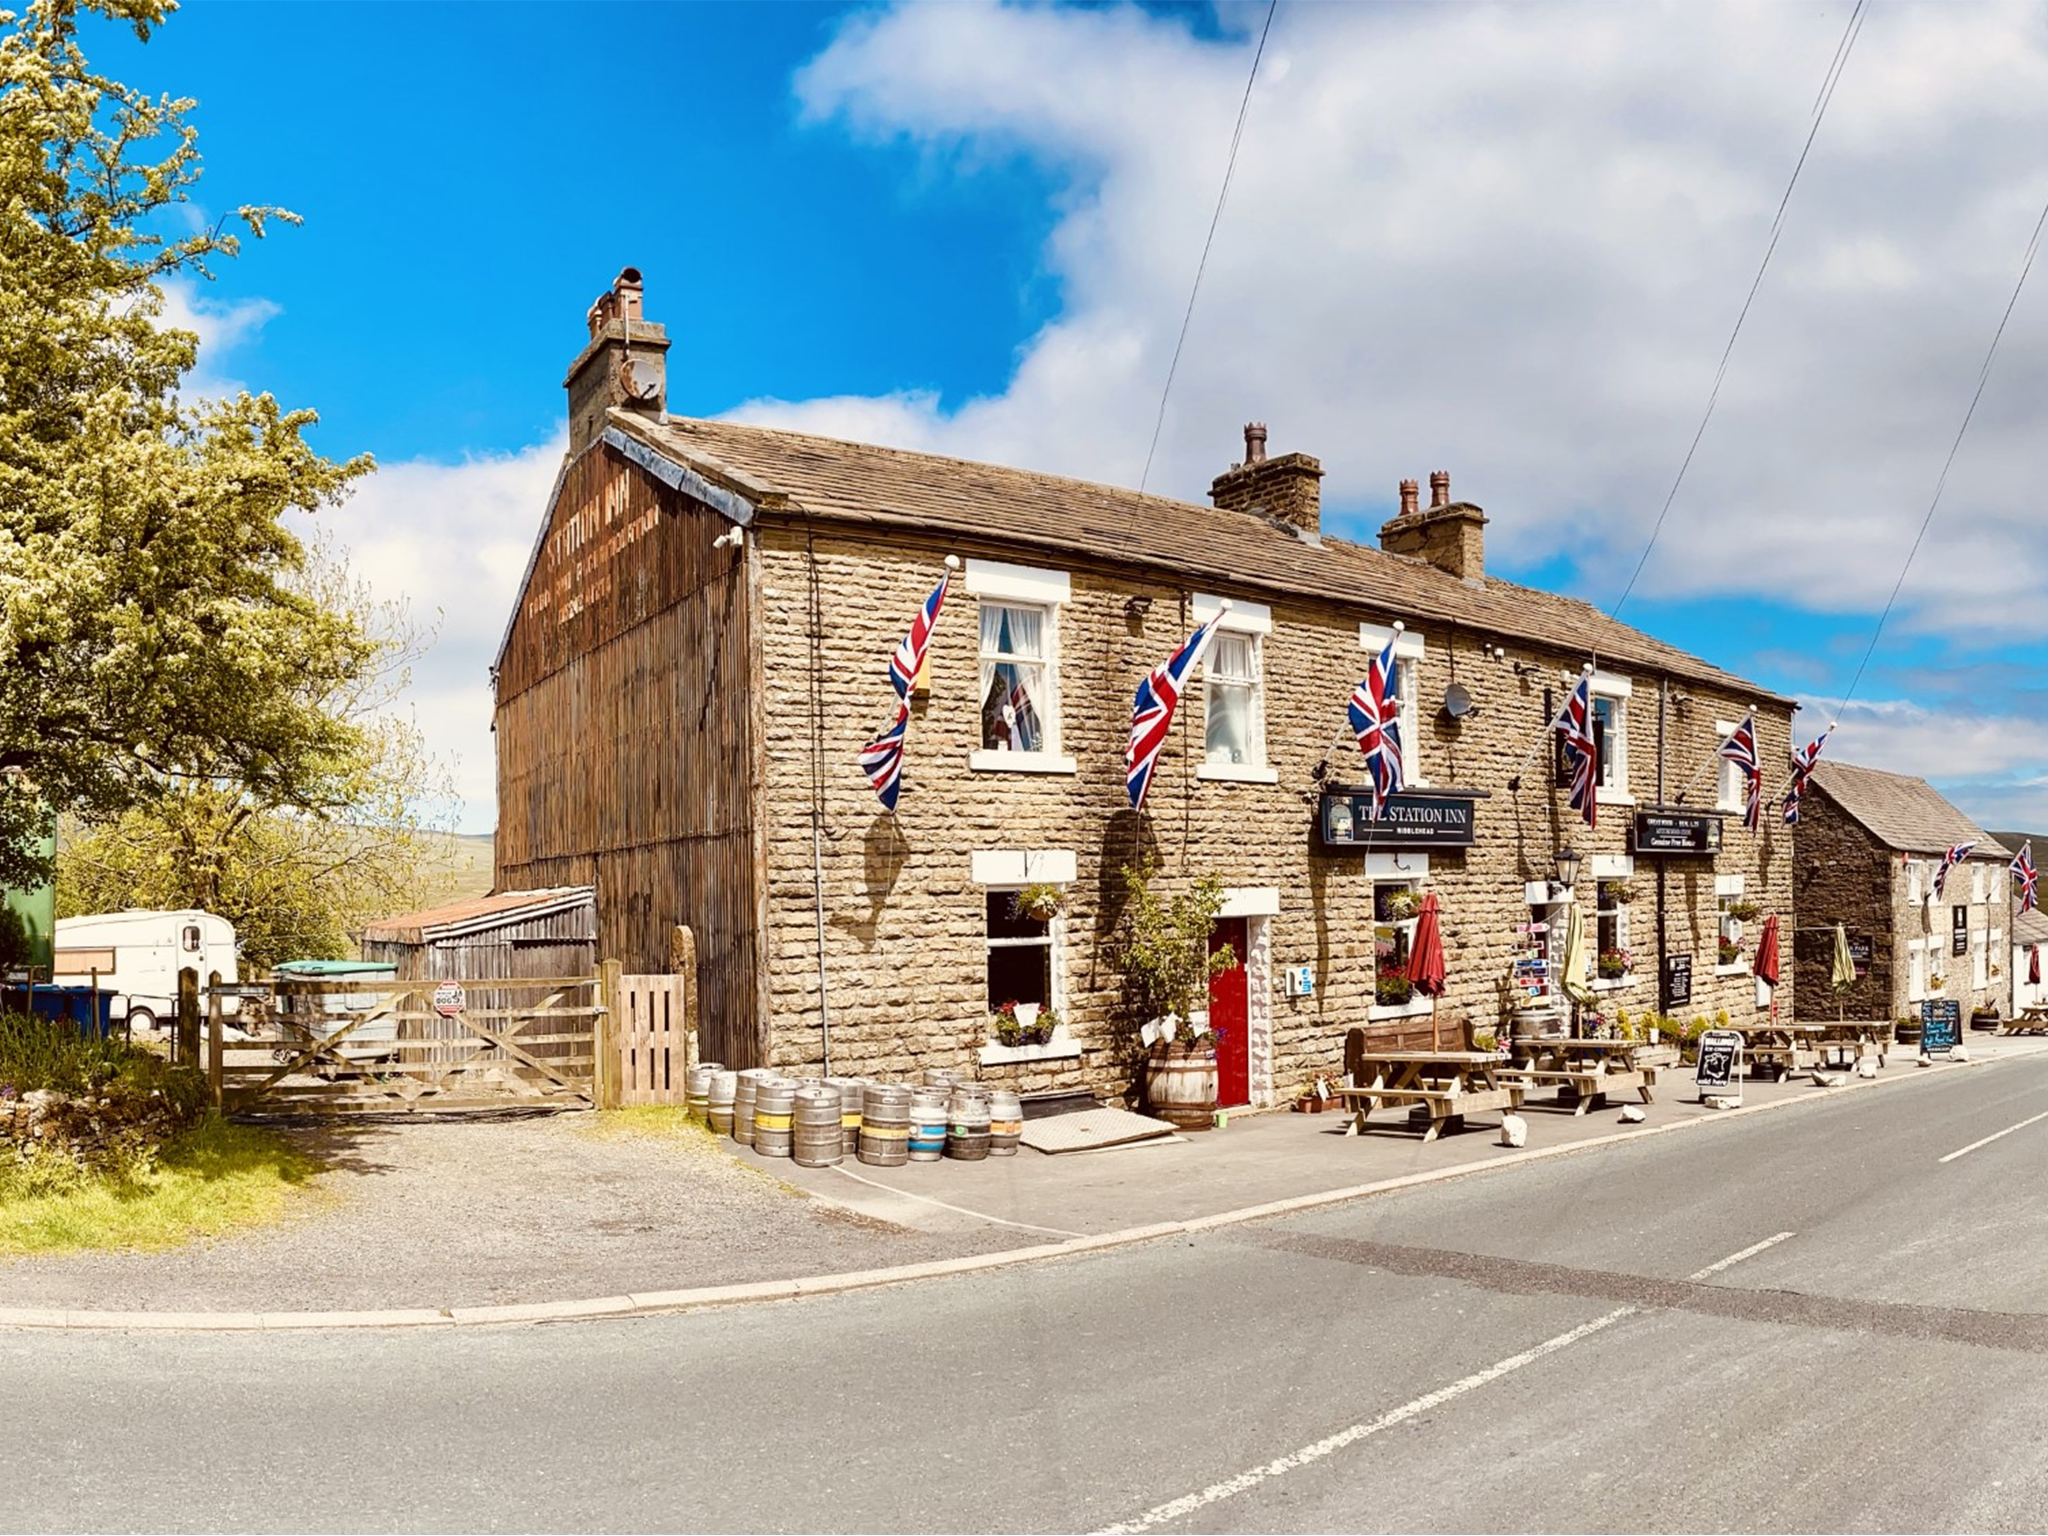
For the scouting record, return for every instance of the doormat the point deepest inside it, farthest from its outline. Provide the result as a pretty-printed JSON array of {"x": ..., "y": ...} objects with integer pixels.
[{"x": 1090, "y": 1129}]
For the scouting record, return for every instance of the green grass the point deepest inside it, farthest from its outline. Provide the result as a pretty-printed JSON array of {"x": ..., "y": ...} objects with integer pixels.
[{"x": 215, "y": 1179}]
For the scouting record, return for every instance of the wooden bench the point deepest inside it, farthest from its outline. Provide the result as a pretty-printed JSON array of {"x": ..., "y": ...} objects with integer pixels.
[
  {"x": 1586, "y": 1083},
  {"x": 1443, "y": 1104}
]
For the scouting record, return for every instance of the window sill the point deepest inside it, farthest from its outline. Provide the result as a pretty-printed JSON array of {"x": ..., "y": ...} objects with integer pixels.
[
  {"x": 1413, "y": 1008},
  {"x": 1020, "y": 762},
  {"x": 1059, "y": 1048},
  {"x": 1238, "y": 773},
  {"x": 1613, "y": 797},
  {"x": 1614, "y": 983},
  {"x": 1732, "y": 970}
]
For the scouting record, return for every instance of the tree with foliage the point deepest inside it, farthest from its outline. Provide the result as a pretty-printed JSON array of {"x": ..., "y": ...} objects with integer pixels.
[
  {"x": 155, "y": 635},
  {"x": 295, "y": 885}
]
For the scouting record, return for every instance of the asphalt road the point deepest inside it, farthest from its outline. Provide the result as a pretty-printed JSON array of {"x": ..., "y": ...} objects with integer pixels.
[{"x": 1798, "y": 1321}]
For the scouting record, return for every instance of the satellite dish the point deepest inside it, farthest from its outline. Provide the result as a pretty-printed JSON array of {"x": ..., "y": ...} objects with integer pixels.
[{"x": 1458, "y": 701}]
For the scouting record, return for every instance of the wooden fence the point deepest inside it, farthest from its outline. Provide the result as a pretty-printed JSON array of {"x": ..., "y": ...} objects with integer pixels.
[{"x": 333, "y": 1046}]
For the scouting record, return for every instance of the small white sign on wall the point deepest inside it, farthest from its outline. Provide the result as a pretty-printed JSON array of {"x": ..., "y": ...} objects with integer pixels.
[{"x": 1300, "y": 980}]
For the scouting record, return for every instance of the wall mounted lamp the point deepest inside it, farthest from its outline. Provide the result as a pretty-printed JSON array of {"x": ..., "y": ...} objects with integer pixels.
[{"x": 1137, "y": 607}]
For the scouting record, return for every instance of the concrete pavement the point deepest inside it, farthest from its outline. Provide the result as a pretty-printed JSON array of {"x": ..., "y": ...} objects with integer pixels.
[
  {"x": 1821, "y": 1320},
  {"x": 1032, "y": 1208}
]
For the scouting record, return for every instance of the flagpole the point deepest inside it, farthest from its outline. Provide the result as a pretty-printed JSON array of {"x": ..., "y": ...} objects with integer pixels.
[{"x": 1556, "y": 721}]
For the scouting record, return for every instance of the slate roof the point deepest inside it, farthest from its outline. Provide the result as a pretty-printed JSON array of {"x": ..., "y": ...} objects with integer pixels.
[
  {"x": 860, "y": 483},
  {"x": 2029, "y": 927},
  {"x": 1902, "y": 812},
  {"x": 473, "y": 912}
]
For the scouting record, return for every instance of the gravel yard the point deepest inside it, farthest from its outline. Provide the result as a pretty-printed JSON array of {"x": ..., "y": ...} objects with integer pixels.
[{"x": 477, "y": 1212}]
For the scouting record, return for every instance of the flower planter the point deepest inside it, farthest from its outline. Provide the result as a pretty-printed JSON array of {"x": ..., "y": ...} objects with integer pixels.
[{"x": 1180, "y": 1086}]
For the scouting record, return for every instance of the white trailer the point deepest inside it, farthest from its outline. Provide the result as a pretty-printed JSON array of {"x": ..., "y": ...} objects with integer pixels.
[{"x": 138, "y": 955}]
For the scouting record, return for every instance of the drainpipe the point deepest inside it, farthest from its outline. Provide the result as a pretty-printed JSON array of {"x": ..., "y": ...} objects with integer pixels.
[
  {"x": 1663, "y": 705},
  {"x": 817, "y": 606}
]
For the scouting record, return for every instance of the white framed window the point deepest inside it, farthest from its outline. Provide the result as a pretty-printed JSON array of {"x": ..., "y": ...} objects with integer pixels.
[
  {"x": 1019, "y": 666},
  {"x": 1733, "y": 791},
  {"x": 1610, "y": 729},
  {"x": 1396, "y": 905},
  {"x": 1020, "y": 947},
  {"x": 1733, "y": 909},
  {"x": 1916, "y": 884},
  {"x": 1980, "y": 959},
  {"x": 1613, "y": 891},
  {"x": 1977, "y": 887},
  {"x": 1408, "y": 651},
  {"x": 1234, "y": 691}
]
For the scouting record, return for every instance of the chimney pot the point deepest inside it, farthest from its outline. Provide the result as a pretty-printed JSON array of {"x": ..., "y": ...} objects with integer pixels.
[
  {"x": 1255, "y": 442},
  {"x": 1410, "y": 498},
  {"x": 1439, "y": 488},
  {"x": 622, "y": 366},
  {"x": 1283, "y": 490}
]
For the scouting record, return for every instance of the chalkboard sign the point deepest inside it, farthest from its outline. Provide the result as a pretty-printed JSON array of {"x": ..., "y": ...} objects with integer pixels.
[
  {"x": 1720, "y": 1059},
  {"x": 1941, "y": 1025},
  {"x": 1677, "y": 981}
]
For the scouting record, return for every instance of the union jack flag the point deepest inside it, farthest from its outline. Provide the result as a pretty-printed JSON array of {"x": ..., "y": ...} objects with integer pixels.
[
  {"x": 882, "y": 759},
  {"x": 1740, "y": 749},
  {"x": 1581, "y": 749},
  {"x": 2023, "y": 871},
  {"x": 1376, "y": 720},
  {"x": 908, "y": 660},
  {"x": 1949, "y": 861},
  {"x": 1152, "y": 711},
  {"x": 1802, "y": 770}
]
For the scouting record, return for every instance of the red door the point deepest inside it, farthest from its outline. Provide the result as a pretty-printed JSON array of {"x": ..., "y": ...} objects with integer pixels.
[{"x": 1230, "y": 1015}]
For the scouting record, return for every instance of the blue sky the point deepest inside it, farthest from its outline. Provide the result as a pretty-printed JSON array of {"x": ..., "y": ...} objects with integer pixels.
[{"x": 1509, "y": 243}]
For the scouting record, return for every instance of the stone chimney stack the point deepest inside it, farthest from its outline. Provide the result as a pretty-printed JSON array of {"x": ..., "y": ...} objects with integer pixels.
[
  {"x": 624, "y": 363},
  {"x": 1286, "y": 490},
  {"x": 1450, "y": 535}
]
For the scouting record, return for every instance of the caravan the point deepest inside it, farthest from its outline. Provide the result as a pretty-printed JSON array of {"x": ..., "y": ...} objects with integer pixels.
[{"x": 137, "y": 956}]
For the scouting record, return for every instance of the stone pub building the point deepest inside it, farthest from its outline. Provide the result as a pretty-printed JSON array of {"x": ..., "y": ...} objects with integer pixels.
[{"x": 698, "y": 655}]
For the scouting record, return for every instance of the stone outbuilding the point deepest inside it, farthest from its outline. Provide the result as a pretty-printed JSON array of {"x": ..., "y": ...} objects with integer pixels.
[
  {"x": 697, "y": 657},
  {"x": 1868, "y": 847},
  {"x": 2029, "y": 932}
]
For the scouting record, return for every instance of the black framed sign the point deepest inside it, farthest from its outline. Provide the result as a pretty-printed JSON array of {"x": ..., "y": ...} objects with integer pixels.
[
  {"x": 1959, "y": 930},
  {"x": 1941, "y": 1025},
  {"x": 1345, "y": 820},
  {"x": 1677, "y": 989},
  {"x": 1862, "y": 947},
  {"x": 1676, "y": 833},
  {"x": 1720, "y": 1059}
]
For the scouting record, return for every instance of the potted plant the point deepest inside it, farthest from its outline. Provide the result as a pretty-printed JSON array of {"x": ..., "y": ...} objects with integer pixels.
[
  {"x": 1004, "y": 1027},
  {"x": 1392, "y": 986},
  {"x": 1936, "y": 982},
  {"x": 1727, "y": 952},
  {"x": 1617, "y": 892},
  {"x": 1613, "y": 964},
  {"x": 1041, "y": 1029},
  {"x": 1163, "y": 956},
  {"x": 1039, "y": 903}
]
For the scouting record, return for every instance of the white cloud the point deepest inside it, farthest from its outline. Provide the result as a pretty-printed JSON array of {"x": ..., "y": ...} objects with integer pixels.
[
  {"x": 221, "y": 327},
  {"x": 1511, "y": 241},
  {"x": 452, "y": 540}
]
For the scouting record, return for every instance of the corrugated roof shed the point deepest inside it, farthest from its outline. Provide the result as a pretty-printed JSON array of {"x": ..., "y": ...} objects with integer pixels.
[
  {"x": 1902, "y": 812},
  {"x": 860, "y": 483},
  {"x": 473, "y": 912}
]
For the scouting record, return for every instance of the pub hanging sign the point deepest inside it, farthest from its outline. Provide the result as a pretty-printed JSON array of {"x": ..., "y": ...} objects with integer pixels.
[
  {"x": 1676, "y": 833},
  {"x": 1345, "y": 820}
]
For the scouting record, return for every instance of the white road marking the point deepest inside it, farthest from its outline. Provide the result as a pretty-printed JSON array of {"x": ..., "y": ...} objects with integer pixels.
[
  {"x": 1973, "y": 1146},
  {"x": 1330, "y": 1445},
  {"x": 957, "y": 1210}
]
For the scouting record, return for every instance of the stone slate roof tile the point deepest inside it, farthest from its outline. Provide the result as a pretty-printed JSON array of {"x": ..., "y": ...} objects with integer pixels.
[
  {"x": 1902, "y": 812},
  {"x": 1189, "y": 542}
]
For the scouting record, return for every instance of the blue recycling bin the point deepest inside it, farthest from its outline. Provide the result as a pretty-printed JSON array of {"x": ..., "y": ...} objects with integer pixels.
[{"x": 75, "y": 1004}]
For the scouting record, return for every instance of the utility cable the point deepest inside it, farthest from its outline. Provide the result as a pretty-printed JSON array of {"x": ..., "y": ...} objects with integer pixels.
[
  {"x": 1223, "y": 196},
  {"x": 1833, "y": 78}
]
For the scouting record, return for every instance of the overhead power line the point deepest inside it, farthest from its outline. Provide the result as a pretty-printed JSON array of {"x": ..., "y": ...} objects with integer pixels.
[
  {"x": 1833, "y": 78},
  {"x": 1223, "y": 196}
]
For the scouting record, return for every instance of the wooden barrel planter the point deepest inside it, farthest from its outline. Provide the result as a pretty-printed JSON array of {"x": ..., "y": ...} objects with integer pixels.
[
  {"x": 1180, "y": 1086},
  {"x": 1984, "y": 1018}
]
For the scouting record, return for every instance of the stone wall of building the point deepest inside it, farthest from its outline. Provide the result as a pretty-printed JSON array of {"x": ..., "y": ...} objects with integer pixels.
[
  {"x": 904, "y": 913},
  {"x": 1846, "y": 875}
]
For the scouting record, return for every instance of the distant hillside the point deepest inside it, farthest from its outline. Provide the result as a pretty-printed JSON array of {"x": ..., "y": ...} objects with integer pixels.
[{"x": 460, "y": 867}]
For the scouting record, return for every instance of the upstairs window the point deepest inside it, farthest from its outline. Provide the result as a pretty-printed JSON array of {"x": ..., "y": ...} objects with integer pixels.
[
  {"x": 1232, "y": 702},
  {"x": 1016, "y": 677},
  {"x": 1372, "y": 639}
]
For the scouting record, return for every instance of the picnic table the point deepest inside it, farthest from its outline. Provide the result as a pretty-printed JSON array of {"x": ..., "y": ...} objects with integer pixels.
[
  {"x": 1781, "y": 1047},
  {"x": 1584, "y": 1072},
  {"x": 1870, "y": 1037},
  {"x": 2032, "y": 1020},
  {"x": 1449, "y": 1084}
]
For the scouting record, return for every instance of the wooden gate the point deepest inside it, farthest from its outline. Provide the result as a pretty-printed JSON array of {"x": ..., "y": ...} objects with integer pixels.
[
  {"x": 327, "y": 1045},
  {"x": 649, "y": 1035}
]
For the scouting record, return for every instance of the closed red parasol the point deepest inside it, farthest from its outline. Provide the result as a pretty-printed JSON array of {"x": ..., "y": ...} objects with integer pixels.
[
  {"x": 2034, "y": 964},
  {"x": 1767, "y": 952},
  {"x": 1426, "y": 958}
]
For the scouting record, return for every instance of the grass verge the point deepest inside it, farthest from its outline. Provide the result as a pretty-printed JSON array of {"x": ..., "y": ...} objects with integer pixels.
[{"x": 215, "y": 1179}]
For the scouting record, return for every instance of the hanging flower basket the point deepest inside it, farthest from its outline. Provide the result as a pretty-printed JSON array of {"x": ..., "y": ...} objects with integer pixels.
[
  {"x": 1038, "y": 903},
  {"x": 1617, "y": 892},
  {"x": 1402, "y": 905}
]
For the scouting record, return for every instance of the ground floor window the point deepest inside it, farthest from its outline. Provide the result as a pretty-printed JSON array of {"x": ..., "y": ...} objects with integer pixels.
[
  {"x": 1735, "y": 909},
  {"x": 1020, "y": 940},
  {"x": 1395, "y": 906},
  {"x": 1611, "y": 958}
]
